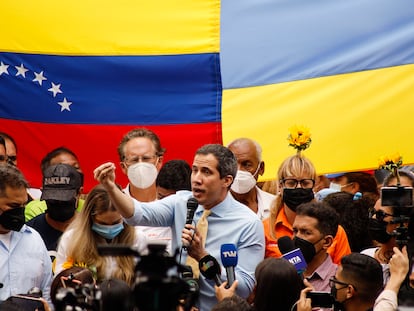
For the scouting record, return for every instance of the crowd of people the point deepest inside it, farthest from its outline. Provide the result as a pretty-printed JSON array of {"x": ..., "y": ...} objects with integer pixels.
[{"x": 161, "y": 242}]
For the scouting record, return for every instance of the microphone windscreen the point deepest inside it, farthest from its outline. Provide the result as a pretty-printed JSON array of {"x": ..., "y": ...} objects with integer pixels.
[
  {"x": 285, "y": 244},
  {"x": 229, "y": 255},
  {"x": 209, "y": 267}
]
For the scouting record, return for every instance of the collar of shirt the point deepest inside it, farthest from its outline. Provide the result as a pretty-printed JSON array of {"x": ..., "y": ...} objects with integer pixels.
[{"x": 324, "y": 270}]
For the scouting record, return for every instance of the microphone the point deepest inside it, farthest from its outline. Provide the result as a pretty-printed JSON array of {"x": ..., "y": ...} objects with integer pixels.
[
  {"x": 192, "y": 205},
  {"x": 210, "y": 269},
  {"x": 229, "y": 260},
  {"x": 292, "y": 254}
]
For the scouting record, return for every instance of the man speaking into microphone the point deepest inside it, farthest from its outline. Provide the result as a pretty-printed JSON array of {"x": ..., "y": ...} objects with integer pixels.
[{"x": 213, "y": 170}]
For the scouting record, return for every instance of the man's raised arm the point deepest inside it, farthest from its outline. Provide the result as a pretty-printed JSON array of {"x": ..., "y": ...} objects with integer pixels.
[{"x": 105, "y": 174}]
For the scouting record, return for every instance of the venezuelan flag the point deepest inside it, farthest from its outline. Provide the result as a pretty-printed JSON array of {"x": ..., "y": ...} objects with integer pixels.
[{"x": 83, "y": 73}]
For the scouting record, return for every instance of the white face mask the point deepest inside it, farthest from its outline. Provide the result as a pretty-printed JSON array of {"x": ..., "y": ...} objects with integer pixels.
[
  {"x": 335, "y": 186},
  {"x": 244, "y": 181},
  {"x": 142, "y": 175}
]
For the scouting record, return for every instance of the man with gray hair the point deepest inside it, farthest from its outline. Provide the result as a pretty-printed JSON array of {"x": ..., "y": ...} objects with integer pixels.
[{"x": 250, "y": 165}]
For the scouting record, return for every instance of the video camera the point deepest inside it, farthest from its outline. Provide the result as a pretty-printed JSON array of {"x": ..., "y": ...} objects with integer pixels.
[
  {"x": 157, "y": 286},
  {"x": 401, "y": 199}
]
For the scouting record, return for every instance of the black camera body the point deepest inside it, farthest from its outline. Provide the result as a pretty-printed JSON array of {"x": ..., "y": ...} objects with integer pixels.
[{"x": 401, "y": 199}]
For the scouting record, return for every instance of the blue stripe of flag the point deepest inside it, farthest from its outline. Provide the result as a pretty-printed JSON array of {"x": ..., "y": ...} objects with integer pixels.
[{"x": 145, "y": 90}]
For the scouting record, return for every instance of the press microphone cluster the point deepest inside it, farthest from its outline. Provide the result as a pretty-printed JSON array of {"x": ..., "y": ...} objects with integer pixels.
[
  {"x": 229, "y": 259},
  {"x": 292, "y": 253}
]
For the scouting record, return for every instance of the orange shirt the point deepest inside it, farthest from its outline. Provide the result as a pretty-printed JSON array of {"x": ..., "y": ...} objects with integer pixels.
[{"x": 338, "y": 249}]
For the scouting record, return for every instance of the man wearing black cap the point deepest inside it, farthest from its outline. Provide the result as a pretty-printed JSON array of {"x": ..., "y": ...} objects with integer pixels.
[{"x": 61, "y": 190}]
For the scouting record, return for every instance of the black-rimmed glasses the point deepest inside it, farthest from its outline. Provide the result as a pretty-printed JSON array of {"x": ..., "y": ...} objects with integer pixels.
[
  {"x": 379, "y": 214},
  {"x": 306, "y": 183},
  {"x": 334, "y": 280}
]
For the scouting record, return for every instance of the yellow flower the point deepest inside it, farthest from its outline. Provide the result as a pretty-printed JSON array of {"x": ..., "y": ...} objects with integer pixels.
[
  {"x": 391, "y": 162},
  {"x": 299, "y": 137}
]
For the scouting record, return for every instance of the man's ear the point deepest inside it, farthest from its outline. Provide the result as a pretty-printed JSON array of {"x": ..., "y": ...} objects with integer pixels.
[
  {"x": 261, "y": 169},
  {"x": 328, "y": 241},
  {"x": 350, "y": 291},
  {"x": 228, "y": 180},
  {"x": 159, "y": 162},
  {"x": 124, "y": 168}
]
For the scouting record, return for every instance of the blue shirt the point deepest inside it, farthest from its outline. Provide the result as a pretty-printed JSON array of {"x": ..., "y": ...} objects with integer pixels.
[
  {"x": 25, "y": 265},
  {"x": 229, "y": 222}
]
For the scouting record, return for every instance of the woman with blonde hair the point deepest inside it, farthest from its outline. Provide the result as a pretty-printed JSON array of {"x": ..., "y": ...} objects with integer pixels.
[
  {"x": 99, "y": 223},
  {"x": 296, "y": 176}
]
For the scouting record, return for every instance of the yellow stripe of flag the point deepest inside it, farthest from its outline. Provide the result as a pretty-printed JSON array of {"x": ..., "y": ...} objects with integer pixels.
[
  {"x": 103, "y": 27},
  {"x": 349, "y": 116}
]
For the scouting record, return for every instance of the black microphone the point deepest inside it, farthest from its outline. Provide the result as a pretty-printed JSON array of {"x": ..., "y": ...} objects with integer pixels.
[
  {"x": 229, "y": 260},
  {"x": 192, "y": 205},
  {"x": 210, "y": 269},
  {"x": 292, "y": 253}
]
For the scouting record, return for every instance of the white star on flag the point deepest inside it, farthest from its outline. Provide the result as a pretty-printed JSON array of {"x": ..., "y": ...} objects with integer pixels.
[
  {"x": 39, "y": 77},
  {"x": 3, "y": 68},
  {"x": 21, "y": 71},
  {"x": 64, "y": 105},
  {"x": 55, "y": 89}
]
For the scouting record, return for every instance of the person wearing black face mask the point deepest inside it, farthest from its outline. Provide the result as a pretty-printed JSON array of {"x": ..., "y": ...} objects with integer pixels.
[
  {"x": 24, "y": 260},
  {"x": 355, "y": 286},
  {"x": 382, "y": 229},
  {"x": 314, "y": 228},
  {"x": 61, "y": 191},
  {"x": 296, "y": 177}
]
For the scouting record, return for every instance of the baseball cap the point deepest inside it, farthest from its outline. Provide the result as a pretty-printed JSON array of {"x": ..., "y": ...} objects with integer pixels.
[{"x": 61, "y": 182}]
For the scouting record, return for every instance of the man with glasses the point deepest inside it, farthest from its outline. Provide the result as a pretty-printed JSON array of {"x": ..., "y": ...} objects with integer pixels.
[
  {"x": 141, "y": 156},
  {"x": 357, "y": 283},
  {"x": 296, "y": 177}
]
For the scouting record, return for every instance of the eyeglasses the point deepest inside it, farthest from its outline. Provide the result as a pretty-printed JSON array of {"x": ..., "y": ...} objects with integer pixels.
[
  {"x": 334, "y": 280},
  {"x": 379, "y": 214},
  {"x": 145, "y": 158},
  {"x": 293, "y": 183}
]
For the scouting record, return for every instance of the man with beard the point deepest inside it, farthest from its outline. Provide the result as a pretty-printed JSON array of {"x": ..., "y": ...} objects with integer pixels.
[{"x": 61, "y": 190}]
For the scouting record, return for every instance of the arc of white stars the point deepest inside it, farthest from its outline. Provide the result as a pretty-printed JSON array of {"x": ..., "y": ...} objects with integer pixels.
[
  {"x": 21, "y": 70},
  {"x": 55, "y": 89},
  {"x": 39, "y": 77},
  {"x": 65, "y": 105},
  {"x": 3, "y": 68}
]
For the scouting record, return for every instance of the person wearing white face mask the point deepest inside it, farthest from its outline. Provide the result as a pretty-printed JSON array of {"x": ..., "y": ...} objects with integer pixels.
[
  {"x": 141, "y": 157},
  {"x": 250, "y": 165}
]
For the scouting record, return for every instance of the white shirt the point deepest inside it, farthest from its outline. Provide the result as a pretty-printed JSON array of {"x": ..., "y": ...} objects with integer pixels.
[
  {"x": 264, "y": 201},
  {"x": 155, "y": 234}
]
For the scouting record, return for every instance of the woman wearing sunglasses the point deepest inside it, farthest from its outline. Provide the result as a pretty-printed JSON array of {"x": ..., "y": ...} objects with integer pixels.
[{"x": 385, "y": 223}]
